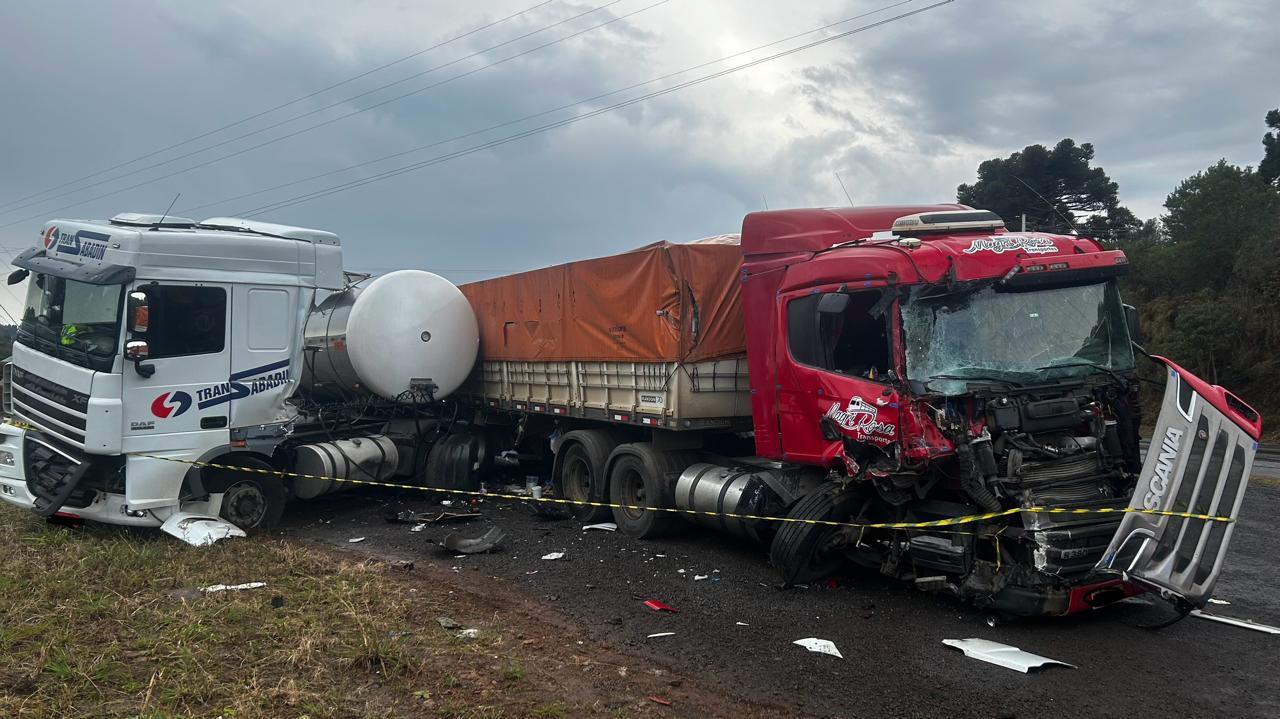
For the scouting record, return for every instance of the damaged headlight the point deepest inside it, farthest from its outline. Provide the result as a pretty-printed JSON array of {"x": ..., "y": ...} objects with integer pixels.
[{"x": 6, "y": 458}]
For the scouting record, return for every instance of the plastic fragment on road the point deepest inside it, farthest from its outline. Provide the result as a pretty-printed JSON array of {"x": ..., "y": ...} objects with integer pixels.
[
  {"x": 657, "y": 606},
  {"x": 417, "y": 528},
  {"x": 354, "y": 540},
  {"x": 1215, "y": 600},
  {"x": 1002, "y": 655},
  {"x": 486, "y": 542},
  {"x": 742, "y": 624},
  {"x": 605, "y": 526},
  {"x": 660, "y": 700},
  {"x": 554, "y": 555},
  {"x": 661, "y": 634},
  {"x": 700, "y": 577},
  {"x": 199, "y": 530},
  {"x": 215, "y": 588},
  {"x": 821, "y": 646},
  {"x": 1242, "y": 623}
]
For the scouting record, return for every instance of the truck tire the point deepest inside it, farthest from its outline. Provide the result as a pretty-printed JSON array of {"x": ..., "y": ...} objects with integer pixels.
[
  {"x": 451, "y": 463},
  {"x": 642, "y": 477},
  {"x": 581, "y": 469},
  {"x": 253, "y": 502},
  {"x": 800, "y": 551}
]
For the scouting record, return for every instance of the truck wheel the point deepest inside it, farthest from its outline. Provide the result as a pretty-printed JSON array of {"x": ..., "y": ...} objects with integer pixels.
[
  {"x": 254, "y": 503},
  {"x": 581, "y": 471},
  {"x": 804, "y": 552},
  {"x": 639, "y": 478}
]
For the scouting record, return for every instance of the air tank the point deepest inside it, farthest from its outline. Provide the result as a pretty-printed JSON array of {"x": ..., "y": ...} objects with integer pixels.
[{"x": 385, "y": 334}]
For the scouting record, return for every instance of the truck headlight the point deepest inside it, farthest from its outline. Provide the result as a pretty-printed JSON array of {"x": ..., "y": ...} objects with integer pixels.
[{"x": 6, "y": 458}]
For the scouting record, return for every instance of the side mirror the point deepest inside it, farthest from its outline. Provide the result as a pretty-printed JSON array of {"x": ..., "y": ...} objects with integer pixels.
[
  {"x": 1135, "y": 324},
  {"x": 137, "y": 351},
  {"x": 833, "y": 303},
  {"x": 139, "y": 312},
  {"x": 17, "y": 276}
]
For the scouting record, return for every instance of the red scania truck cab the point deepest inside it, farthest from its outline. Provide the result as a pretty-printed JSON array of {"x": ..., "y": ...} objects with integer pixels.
[{"x": 918, "y": 366}]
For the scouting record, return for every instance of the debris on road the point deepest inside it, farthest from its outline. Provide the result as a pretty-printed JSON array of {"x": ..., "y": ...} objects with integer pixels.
[
  {"x": 700, "y": 577},
  {"x": 742, "y": 624},
  {"x": 660, "y": 700},
  {"x": 1215, "y": 600},
  {"x": 1242, "y": 623},
  {"x": 606, "y": 526},
  {"x": 447, "y": 623},
  {"x": 821, "y": 646},
  {"x": 417, "y": 528},
  {"x": 215, "y": 588},
  {"x": 661, "y": 634},
  {"x": 401, "y": 565},
  {"x": 469, "y": 634},
  {"x": 1002, "y": 654},
  {"x": 486, "y": 542},
  {"x": 199, "y": 530},
  {"x": 553, "y": 555},
  {"x": 657, "y": 606},
  {"x": 420, "y": 518},
  {"x": 355, "y": 540}
]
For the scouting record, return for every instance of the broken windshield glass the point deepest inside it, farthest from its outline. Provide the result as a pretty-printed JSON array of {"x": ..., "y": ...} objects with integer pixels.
[{"x": 1016, "y": 337}]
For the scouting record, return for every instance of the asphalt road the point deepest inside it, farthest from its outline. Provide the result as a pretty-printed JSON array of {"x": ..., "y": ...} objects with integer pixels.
[{"x": 890, "y": 635}]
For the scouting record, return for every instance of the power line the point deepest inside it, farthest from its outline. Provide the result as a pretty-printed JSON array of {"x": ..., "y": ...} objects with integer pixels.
[
  {"x": 544, "y": 113},
  {"x": 294, "y": 101},
  {"x": 322, "y": 109},
  {"x": 307, "y": 197},
  {"x": 330, "y": 121}
]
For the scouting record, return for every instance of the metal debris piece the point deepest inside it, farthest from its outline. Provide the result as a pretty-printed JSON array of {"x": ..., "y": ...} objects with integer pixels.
[
  {"x": 661, "y": 634},
  {"x": 215, "y": 588},
  {"x": 421, "y": 518},
  {"x": 1242, "y": 623},
  {"x": 199, "y": 530},
  {"x": 657, "y": 606},
  {"x": 606, "y": 526},
  {"x": 486, "y": 542},
  {"x": 1002, "y": 654},
  {"x": 821, "y": 646},
  {"x": 554, "y": 555}
]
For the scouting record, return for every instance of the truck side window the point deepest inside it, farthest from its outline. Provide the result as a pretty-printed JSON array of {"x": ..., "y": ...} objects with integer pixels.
[
  {"x": 852, "y": 342},
  {"x": 186, "y": 320}
]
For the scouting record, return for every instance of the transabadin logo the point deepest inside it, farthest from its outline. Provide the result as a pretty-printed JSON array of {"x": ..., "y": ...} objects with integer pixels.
[
  {"x": 90, "y": 245},
  {"x": 1000, "y": 244},
  {"x": 1164, "y": 467},
  {"x": 862, "y": 419}
]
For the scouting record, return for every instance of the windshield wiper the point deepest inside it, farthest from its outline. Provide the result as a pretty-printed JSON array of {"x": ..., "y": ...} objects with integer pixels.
[
  {"x": 1094, "y": 365},
  {"x": 977, "y": 378}
]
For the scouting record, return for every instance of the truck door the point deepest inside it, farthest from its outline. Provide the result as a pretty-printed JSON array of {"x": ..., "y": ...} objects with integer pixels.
[
  {"x": 176, "y": 394},
  {"x": 836, "y": 370},
  {"x": 265, "y": 344}
]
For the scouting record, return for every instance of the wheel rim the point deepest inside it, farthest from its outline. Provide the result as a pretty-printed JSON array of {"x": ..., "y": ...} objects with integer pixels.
[
  {"x": 577, "y": 479},
  {"x": 633, "y": 494},
  {"x": 244, "y": 504}
]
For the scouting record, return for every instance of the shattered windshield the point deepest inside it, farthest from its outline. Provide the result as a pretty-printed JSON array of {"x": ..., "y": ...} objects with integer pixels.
[
  {"x": 80, "y": 320},
  {"x": 1015, "y": 337}
]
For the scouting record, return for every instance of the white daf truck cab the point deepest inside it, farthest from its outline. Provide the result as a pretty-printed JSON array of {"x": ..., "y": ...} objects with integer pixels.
[{"x": 149, "y": 345}]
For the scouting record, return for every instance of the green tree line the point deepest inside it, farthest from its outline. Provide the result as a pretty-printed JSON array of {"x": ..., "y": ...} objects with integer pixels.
[{"x": 1205, "y": 273}]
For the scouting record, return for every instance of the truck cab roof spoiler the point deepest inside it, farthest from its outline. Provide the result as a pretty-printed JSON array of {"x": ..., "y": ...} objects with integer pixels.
[{"x": 36, "y": 259}]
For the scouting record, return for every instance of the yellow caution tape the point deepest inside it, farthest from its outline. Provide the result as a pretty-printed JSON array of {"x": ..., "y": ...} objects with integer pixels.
[{"x": 949, "y": 522}]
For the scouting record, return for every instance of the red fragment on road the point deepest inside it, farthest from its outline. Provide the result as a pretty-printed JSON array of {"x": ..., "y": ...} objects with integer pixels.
[
  {"x": 660, "y": 700},
  {"x": 657, "y": 606}
]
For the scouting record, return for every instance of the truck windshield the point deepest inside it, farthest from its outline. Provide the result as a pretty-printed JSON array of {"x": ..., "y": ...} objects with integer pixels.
[
  {"x": 74, "y": 321},
  {"x": 1015, "y": 337}
]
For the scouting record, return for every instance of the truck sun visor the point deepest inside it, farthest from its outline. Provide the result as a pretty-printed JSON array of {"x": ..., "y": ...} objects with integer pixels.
[{"x": 36, "y": 260}]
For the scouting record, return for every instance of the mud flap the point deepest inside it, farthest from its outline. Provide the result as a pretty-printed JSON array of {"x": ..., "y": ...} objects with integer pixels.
[{"x": 1198, "y": 463}]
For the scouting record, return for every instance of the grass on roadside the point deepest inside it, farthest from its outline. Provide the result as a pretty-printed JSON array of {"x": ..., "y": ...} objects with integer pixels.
[{"x": 89, "y": 627}]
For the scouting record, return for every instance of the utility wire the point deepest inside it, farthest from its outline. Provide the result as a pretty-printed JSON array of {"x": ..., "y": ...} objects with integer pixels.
[
  {"x": 292, "y": 102},
  {"x": 327, "y": 107},
  {"x": 307, "y": 197},
  {"x": 544, "y": 113}
]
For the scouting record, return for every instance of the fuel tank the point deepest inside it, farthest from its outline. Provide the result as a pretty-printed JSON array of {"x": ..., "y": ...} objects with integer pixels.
[{"x": 389, "y": 333}]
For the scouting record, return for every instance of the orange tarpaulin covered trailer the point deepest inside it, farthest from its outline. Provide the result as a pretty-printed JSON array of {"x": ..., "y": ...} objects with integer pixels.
[{"x": 660, "y": 303}]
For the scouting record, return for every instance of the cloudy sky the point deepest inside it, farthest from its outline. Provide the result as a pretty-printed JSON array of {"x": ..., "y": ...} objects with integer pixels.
[{"x": 903, "y": 112}]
